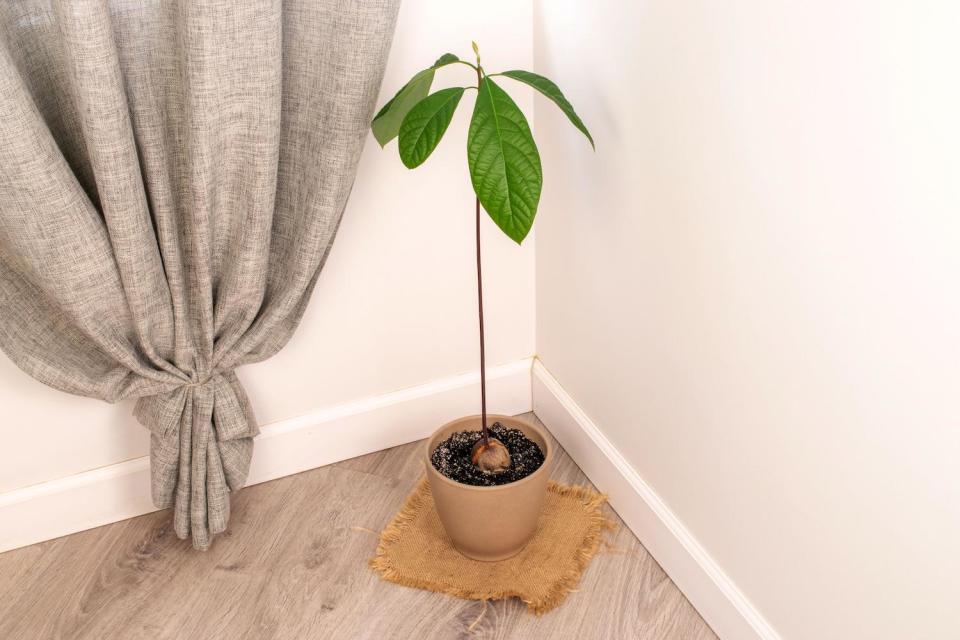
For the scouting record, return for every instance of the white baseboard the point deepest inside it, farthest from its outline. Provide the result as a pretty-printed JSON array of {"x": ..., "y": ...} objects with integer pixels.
[
  {"x": 712, "y": 593},
  {"x": 120, "y": 491}
]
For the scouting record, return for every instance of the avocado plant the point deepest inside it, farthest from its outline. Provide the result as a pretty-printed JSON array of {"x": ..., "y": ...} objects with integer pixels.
[{"x": 504, "y": 168}]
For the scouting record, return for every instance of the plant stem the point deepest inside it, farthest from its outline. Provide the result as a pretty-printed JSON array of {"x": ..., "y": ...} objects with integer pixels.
[{"x": 483, "y": 367}]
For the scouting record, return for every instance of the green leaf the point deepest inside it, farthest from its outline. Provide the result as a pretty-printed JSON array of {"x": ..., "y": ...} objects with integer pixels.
[
  {"x": 386, "y": 124},
  {"x": 444, "y": 60},
  {"x": 425, "y": 125},
  {"x": 504, "y": 161},
  {"x": 552, "y": 91}
]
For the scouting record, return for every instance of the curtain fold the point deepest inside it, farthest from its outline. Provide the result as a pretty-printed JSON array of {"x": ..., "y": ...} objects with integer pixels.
[{"x": 172, "y": 176}]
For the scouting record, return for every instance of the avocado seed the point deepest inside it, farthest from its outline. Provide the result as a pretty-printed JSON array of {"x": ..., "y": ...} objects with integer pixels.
[{"x": 491, "y": 456}]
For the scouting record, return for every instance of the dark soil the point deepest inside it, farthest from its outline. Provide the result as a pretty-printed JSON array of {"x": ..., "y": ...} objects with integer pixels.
[{"x": 452, "y": 457}]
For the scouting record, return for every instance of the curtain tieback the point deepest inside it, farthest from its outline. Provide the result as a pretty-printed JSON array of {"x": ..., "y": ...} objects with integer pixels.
[{"x": 162, "y": 413}]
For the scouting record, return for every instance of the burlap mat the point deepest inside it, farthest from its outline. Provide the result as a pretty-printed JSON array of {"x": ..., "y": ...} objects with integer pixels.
[{"x": 414, "y": 551}]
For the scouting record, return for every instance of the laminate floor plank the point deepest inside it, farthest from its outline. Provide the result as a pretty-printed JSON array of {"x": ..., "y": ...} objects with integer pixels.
[{"x": 294, "y": 565}]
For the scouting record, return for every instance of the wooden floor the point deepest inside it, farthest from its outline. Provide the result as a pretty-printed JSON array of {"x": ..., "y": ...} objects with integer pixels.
[{"x": 293, "y": 565}]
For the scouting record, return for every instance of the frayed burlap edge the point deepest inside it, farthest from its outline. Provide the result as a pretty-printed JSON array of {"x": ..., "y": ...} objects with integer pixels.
[{"x": 592, "y": 502}]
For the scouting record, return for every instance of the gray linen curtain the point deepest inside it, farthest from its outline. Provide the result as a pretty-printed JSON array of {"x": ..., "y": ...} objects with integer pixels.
[{"x": 172, "y": 174}]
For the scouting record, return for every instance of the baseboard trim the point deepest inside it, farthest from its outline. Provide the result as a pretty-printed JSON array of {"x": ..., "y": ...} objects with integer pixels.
[
  {"x": 93, "y": 498},
  {"x": 709, "y": 589}
]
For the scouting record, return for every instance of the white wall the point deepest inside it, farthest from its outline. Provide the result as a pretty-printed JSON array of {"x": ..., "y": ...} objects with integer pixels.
[
  {"x": 395, "y": 305},
  {"x": 752, "y": 287}
]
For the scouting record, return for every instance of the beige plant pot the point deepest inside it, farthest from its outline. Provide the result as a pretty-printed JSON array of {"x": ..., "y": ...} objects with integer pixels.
[{"x": 489, "y": 523}]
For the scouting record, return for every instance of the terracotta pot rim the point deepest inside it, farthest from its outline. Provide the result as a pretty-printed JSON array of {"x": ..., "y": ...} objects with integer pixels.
[{"x": 543, "y": 468}]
